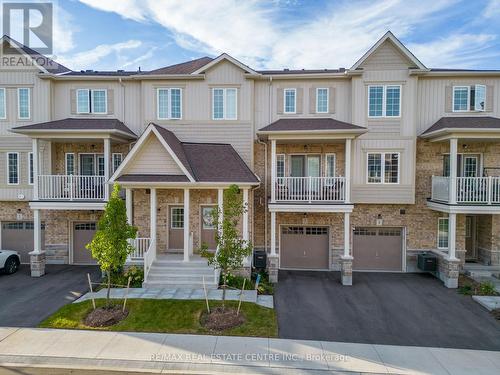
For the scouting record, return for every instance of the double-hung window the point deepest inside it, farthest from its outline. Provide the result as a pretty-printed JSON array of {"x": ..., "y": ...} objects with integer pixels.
[
  {"x": 91, "y": 101},
  {"x": 169, "y": 103},
  {"x": 469, "y": 98},
  {"x": 225, "y": 103},
  {"x": 290, "y": 101},
  {"x": 384, "y": 101},
  {"x": 3, "y": 104},
  {"x": 442, "y": 233},
  {"x": 23, "y": 103},
  {"x": 13, "y": 168},
  {"x": 117, "y": 160},
  {"x": 322, "y": 100},
  {"x": 383, "y": 168}
]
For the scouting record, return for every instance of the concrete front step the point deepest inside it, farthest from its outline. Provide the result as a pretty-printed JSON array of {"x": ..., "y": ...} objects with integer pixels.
[
  {"x": 175, "y": 278},
  {"x": 177, "y": 285},
  {"x": 479, "y": 273}
]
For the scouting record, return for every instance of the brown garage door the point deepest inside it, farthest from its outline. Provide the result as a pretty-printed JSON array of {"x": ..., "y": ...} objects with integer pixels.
[
  {"x": 19, "y": 236},
  {"x": 304, "y": 247},
  {"x": 377, "y": 249},
  {"x": 82, "y": 235}
]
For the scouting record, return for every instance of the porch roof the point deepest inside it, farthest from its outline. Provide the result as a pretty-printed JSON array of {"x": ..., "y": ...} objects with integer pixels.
[
  {"x": 463, "y": 126},
  {"x": 152, "y": 178}
]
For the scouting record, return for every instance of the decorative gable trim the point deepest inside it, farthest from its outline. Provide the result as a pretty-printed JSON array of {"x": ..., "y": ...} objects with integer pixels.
[{"x": 226, "y": 57}]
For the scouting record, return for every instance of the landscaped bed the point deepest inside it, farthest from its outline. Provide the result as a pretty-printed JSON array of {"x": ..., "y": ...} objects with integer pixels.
[{"x": 168, "y": 316}]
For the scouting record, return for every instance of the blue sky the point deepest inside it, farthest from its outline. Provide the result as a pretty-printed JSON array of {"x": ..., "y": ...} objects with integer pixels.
[{"x": 126, "y": 34}]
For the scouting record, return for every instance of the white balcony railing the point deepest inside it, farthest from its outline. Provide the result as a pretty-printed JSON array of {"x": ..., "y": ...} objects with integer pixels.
[
  {"x": 140, "y": 245},
  {"x": 64, "y": 187},
  {"x": 469, "y": 190},
  {"x": 310, "y": 189}
]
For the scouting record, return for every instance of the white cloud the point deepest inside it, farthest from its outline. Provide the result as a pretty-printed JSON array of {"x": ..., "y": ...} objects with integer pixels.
[
  {"x": 63, "y": 31},
  {"x": 492, "y": 9},
  {"x": 258, "y": 32}
]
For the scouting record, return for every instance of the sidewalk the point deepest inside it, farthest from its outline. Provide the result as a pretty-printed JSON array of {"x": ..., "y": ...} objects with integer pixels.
[{"x": 169, "y": 353}]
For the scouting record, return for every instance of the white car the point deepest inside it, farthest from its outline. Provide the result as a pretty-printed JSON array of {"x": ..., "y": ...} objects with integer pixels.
[{"x": 9, "y": 261}]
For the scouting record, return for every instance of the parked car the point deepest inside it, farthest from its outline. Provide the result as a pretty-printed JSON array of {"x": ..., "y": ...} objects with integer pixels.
[{"x": 9, "y": 261}]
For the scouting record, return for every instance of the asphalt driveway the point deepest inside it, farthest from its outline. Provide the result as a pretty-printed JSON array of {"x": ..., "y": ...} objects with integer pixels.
[
  {"x": 381, "y": 308},
  {"x": 25, "y": 301}
]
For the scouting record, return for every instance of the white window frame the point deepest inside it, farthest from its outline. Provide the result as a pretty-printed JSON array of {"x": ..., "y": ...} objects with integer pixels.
[
  {"x": 384, "y": 100},
  {"x": 17, "y": 168},
  {"x": 456, "y": 88},
  {"x": 105, "y": 101},
  {"x": 334, "y": 164},
  {"x": 224, "y": 104},
  {"x": 89, "y": 101},
  {"x": 3, "y": 104},
  {"x": 113, "y": 160},
  {"x": 448, "y": 233},
  {"x": 327, "y": 99},
  {"x": 66, "y": 163},
  {"x": 294, "y": 101},
  {"x": 382, "y": 167},
  {"x": 19, "y": 102},
  {"x": 476, "y": 109},
  {"x": 281, "y": 156},
  {"x": 172, "y": 219},
  {"x": 31, "y": 170},
  {"x": 169, "y": 103}
]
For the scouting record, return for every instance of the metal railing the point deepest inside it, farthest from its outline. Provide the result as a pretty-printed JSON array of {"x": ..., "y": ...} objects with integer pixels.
[
  {"x": 310, "y": 189},
  {"x": 469, "y": 190},
  {"x": 70, "y": 187},
  {"x": 140, "y": 245},
  {"x": 149, "y": 258}
]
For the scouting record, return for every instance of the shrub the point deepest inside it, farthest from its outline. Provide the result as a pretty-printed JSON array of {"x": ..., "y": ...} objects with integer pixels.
[{"x": 486, "y": 288}]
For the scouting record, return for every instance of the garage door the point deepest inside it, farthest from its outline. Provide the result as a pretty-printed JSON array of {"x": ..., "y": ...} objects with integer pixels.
[
  {"x": 83, "y": 233},
  {"x": 19, "y": 236},
  {"x": 304, "y": 247},
  {"x": 377, "y": 249}
]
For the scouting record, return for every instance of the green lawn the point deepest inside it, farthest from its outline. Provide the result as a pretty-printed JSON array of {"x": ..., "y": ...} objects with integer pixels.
[{"x": 172, "y": 316}]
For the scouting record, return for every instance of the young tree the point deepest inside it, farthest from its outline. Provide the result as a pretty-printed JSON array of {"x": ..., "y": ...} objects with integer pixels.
[
  {"x": 110, "y": 246},
  {"x": 231, "y": 248}
]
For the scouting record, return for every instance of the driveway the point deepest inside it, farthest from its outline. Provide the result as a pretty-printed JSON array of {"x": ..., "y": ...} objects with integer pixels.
[
  {"x": 25, "y": 301},
  {"x": 381, "y": 308}
]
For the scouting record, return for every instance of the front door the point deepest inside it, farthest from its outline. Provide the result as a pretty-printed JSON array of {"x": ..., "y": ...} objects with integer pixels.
[
  {"x": 470, "y": 238},
  {"x": 208, "y": 227},
  {"x": 176, "y": 228},
  {"x": 87, "y": 164}
]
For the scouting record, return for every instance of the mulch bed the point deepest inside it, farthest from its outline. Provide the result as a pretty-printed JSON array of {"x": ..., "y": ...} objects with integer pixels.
[
  {"x": 220, "y": 320},
  {"x": 105, "y": 316}
]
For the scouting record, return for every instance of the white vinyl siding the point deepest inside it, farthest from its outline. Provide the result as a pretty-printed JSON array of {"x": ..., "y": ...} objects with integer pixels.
[
  {"x": 70, "y": 164},
  {"x": 169, "y": 103},
  {"x": 3, "y": 104},
  {"x": 442, "y": 233},
  {"x": 117, "y": 160},
  {"x": 384, "y": 101},
  {"x": 30, "y": 169},
  {"x": 13, "y": 168},
  {"x": 224, "y": 104},
  {"x": 383, "y": 168},
  {"x": 290, "y": 101},
  {"x": 23, "y": 103},
  {"x": 469, "y": 98},
  {"x": 322, "y": 100}
]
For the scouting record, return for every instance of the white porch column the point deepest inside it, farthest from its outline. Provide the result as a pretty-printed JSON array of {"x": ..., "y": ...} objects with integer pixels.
[
  {"x": 273, "y": 234},
  {"x": 36, "y": 165},
  {"x": 152, "y": 221},
  {"x": 107, "y": 156},
  {"x": 186, "y": 225},
  {"x": 347, "y": 171},
  {"x": 347, "y": 235},
  {"x": 128, "y": 204},
  {"x": 37, "y": 256},
  {"x": 453, "y": 170},
  {"x": 37, "y": 224},
  {"x": 273, "y": 171},
  {"x": 452, "y": 231}
]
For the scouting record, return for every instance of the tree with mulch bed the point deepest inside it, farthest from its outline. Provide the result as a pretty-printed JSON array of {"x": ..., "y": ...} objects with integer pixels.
[
  {"x": 110, "y": 248},
  {"x": 229, "y": 256}
]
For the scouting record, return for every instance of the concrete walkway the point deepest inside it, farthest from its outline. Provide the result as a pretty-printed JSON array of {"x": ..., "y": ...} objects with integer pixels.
[
  {"x": 182, "y": 293},
  {"x": 167, "y": 353}
]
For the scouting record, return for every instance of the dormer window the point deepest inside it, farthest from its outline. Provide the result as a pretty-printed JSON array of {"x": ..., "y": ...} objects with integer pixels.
[
  {"x": 469, "y": 98},
  {"x": 91, "y": 101}
]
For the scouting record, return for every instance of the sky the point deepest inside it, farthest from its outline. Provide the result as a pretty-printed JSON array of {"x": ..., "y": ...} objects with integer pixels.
[{"x": 272, "y": 34}]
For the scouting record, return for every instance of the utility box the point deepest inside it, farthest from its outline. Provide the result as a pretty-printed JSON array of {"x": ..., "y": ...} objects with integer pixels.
[
  {"x": 427, "y": 262},
  {"x": 260, "y": 259}
]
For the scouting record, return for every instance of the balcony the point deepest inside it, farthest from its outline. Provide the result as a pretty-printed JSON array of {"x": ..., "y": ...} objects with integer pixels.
[
  {"x": 468, "y": 190},
  {"x": 310, "y": 189},
  {"x": 70, "y": 188}
]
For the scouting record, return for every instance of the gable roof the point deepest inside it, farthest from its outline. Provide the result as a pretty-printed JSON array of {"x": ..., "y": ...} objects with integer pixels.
[
  {"x": 186, "y": 67},
  {"x": 469, "y": 123},
  {"x": 226, "y": 57},
  {"x": 400, "y": 46}
]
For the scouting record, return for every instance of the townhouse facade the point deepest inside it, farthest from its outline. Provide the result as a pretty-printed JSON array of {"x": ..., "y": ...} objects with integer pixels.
[{"x": 357, "y": 169}]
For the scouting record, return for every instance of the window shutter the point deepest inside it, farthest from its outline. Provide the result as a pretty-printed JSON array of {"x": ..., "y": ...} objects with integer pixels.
[
  {"x": 448, "y": 100},
  {"x": 279, "y": 101},
  {"x": 312, "y": 100},
  {"x": 489, "y": 98},
  {"x": 331, "y": 99},
  {"x": 72, "y": 98},
  {"x": 111, "y": 101},
  {"x": 300, "y": 100}
]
